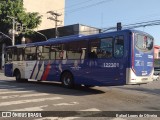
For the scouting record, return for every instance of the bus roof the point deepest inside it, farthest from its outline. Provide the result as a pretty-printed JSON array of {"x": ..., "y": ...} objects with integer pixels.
[{"x": 78, "y": 37}]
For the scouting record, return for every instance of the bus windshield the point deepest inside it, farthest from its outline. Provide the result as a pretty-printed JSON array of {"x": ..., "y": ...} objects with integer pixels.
[{"x": 144, "y": 43}]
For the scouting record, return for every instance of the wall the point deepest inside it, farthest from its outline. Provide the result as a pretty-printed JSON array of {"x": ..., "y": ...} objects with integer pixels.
[{"x": 42, "y": 7}]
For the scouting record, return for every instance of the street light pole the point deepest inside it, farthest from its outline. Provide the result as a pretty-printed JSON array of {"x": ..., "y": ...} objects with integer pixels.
[{"x": 13, "y": 29}]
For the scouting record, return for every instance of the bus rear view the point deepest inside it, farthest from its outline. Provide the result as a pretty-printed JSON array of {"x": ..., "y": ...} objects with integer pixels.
[{"x": 142, "y": 52}]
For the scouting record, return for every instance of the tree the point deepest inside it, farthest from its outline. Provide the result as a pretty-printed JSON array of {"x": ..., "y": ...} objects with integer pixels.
[{"x": 15, "y": 9}]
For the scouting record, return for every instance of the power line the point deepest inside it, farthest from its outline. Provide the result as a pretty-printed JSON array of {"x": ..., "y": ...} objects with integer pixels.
[
  {"x": 135, "y": 25},
  {"x": 88, "y": 6},
  {"x": 73, "y": 5},
  {"x": 82, "y": 7},
  {"x": 139, "y": 23}
]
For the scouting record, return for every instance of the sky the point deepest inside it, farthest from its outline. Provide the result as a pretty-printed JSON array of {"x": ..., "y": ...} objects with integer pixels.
[{"x": 106, "y": 13}]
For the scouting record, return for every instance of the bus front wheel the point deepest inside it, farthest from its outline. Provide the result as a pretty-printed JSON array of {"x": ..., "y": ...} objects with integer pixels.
[
  {"x": 18, "y": 77},
  {"x": 67, "y": 80}
]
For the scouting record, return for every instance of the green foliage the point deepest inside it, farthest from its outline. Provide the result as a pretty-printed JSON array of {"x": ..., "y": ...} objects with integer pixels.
[{"x": 15, "y": 9}]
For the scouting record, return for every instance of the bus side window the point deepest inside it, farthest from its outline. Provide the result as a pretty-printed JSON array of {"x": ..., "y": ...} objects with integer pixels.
[
  {"x": 76, "y": 50},
  {"x": 119, "y": 47},
  {"x": 9, "y": 55},
  {"x": 94, "y": 47},
  {"x": 53, "y": 52},
  {"x": 30, "y": 53},
  {"x": 83, "y": 54},
  {"x": 43, "y": 52},
  {"x": 20, "y": 52},
  {"x": 15, "y": 54},
  {"x": 105, "y": 50},
  {"x": 59, "y": 51},
  {"x": 39, "y": 52}
]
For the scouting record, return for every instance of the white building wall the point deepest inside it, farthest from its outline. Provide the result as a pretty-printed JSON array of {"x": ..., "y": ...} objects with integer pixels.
[{"x": 42, "y": 7}]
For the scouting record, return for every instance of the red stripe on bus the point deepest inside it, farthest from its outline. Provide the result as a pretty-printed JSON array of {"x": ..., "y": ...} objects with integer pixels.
[{"x": 46, "y": 72}]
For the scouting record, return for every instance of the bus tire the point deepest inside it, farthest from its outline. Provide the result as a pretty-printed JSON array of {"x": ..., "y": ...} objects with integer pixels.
[
  {"x": 67, "y": 80},
  {"x": 18, "y": 77}
]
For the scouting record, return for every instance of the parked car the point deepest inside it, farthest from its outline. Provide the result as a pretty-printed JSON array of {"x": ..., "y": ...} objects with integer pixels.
[
  {"x": 155, "y": 76},
  {"x": 157, "y": 71}
]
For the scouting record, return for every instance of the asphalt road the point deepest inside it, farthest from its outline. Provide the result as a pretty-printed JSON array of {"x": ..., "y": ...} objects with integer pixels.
[{"x": 43, "y": 96}]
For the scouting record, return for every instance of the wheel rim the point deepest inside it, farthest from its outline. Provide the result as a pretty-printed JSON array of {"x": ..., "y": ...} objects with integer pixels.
[{"x": 66, "y": 81}]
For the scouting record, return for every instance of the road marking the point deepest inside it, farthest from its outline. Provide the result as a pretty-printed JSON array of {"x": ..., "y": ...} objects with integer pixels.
[
  {"x": 21, "y": 96},
  {"x": 8, "y": 92},
  {"x": 28, "y": 101},
  {"x": 11, "y": 89},
  {"x": 66, "y": 104},
  {"x": 39, "y": 108}
]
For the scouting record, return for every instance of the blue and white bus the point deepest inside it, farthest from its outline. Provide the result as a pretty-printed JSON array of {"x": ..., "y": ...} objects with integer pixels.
[{"x": 105, "y": 59}]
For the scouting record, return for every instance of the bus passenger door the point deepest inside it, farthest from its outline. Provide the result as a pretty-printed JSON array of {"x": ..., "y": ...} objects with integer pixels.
[{"x": 120, "y": 57}]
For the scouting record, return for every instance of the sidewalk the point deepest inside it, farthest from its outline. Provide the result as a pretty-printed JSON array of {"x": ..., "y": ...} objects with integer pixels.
[{"x": 1, "y": 71}]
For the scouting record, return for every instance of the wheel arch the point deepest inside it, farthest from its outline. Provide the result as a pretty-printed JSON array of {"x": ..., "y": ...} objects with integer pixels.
[
  {"x": 15, "y": 71},
  {"x": 65, "y": 71}
]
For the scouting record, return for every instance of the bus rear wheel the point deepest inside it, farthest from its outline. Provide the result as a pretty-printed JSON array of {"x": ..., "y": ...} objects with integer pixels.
[{"x": 67, "y": 80}]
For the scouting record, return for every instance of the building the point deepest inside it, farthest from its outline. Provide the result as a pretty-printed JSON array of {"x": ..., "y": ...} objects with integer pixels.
[
  {"x": 156, "y": 52},
  {"x": 74, "y": 29},
  {"x": 157, "y": 56},
  {"x": 47, "y": 29},
  {"x": 42, "y": 7}
]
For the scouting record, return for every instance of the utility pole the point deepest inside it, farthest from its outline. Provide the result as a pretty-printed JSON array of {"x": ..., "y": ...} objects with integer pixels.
[
  {"x": 55, "y": 18},
  {"x": 13, "y": 28}
]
